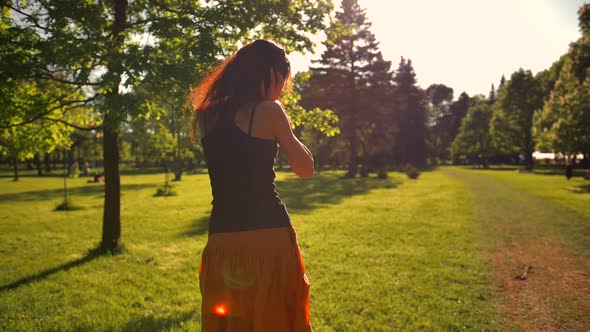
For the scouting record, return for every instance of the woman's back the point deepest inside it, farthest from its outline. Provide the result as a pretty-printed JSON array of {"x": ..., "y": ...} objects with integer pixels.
[{"x": 242, "y": 176}]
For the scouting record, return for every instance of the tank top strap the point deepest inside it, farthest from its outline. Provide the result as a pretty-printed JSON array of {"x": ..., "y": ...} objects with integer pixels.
[{"x": 252, "y": 119}]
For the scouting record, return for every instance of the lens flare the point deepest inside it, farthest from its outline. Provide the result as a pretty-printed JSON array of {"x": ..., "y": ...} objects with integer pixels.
[{"x": 220, "y": 310}]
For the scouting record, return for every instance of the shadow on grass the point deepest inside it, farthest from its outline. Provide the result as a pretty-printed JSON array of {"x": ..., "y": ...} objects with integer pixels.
[
  {"x": 581, "y": 189},
  {"x": 90, "y": 256},
  {"x": 326, "y": 188},
  {"x": 199, "y": 227},
  {"x": 90, "y": 189},
  {"x": 553, "y": 170},
  {"x": 154, "y": 323}
]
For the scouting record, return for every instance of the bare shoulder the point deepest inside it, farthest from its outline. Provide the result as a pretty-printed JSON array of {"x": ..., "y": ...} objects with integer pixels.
[{"x": 271, "y": 108}]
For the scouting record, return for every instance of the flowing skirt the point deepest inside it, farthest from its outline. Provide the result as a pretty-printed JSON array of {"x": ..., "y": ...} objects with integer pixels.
[{"x": 254, "y": 281}]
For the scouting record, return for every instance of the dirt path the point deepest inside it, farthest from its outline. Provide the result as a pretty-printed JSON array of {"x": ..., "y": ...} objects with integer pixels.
[{"x": 522, "y": 234}]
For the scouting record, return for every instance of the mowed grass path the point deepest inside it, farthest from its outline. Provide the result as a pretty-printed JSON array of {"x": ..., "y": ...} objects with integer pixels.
[
  {"x": 382, "y": 255},
  {"x": 541, "y": 224}
]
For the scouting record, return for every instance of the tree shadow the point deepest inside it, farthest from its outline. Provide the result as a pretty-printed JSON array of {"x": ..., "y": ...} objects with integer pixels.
[
  {"x": 581, "y": 189},
  {"x": 90, "y": 256},
  {"x": 155, "y": 323},
  {"x": 48, "y": 194},
  {"x": 302, "y": 196},
  {"x": 199, "y": 227},
  {"x": 549, "y": 170}
]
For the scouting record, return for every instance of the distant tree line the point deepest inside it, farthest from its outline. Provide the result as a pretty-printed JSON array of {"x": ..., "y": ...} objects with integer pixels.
[{"x": 387, "y": 120}]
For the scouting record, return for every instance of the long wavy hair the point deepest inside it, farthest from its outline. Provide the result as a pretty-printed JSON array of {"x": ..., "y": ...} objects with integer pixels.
[{"x": 236, "y": 81}]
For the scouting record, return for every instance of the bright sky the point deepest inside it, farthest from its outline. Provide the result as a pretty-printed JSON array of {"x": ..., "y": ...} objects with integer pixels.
[{"x": 468, "y": 44}]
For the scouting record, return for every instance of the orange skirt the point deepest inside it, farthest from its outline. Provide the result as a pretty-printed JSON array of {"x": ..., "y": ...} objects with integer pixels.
[{"x": 254, "y": 281}]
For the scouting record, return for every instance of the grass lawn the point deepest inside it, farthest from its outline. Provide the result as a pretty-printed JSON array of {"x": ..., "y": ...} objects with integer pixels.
[
  {"x": 381, "y": 255},
  {"x": 540, "y": 223}
]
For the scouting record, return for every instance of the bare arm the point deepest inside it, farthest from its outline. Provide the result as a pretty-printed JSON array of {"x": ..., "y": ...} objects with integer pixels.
[{"x": 298, "y": 155}]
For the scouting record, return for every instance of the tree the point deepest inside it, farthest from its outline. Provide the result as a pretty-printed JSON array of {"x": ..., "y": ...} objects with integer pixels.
[
  {"x": 512, "y": 122},
  {"x": 492, "y": 95},
  {"x": 439, "y": 97},
  {"x": 563, "y": 124},
  {"x": 409, "y": 117},
  {"x": 474, "y": 141},
  {"x": 109, "y": 48},
  {"x": 352, "y": 79},
  {"x": 502, "y": 82}
]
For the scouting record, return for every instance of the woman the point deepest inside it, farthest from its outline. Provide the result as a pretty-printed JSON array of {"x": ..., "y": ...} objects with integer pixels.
[{"x": 252, "y": 276}]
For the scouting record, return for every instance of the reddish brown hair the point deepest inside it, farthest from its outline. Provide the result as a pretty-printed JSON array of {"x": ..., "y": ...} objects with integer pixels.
[{"x": 236, "y": 81}]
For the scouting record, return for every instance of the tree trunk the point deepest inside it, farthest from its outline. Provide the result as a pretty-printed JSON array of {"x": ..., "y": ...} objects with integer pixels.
[
  {"x": 529, "y": 147},
  {"x": 29, "y": 164},
  {"x": 38, "y": 165},
  {"x": 55, "y": 159},
  {"x": 70, "y": 157},
  {"x": 178, "y": 162},
  {"x": 111, "y": 224},
  {"x": 178, "y": 168},
  {"x": 352, "y": 161},
  {"x": 47, "y": 163},
  {"x": 15, "y": 164},
  {"x": 190, "y": 166}
]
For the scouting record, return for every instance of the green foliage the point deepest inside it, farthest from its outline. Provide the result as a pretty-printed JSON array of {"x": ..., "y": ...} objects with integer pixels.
[
  {"x": 24, "y": 133},
  {"x": 584, "y": 19},
  {"x": 323, "y": 121},
  {"x": 447, "y": 121},
  {"x": 563, "y": 124},
  {"x": 512, "y": 121},
  {"x": 474, "y": 141},
  {"x": 354, "y": 81}
]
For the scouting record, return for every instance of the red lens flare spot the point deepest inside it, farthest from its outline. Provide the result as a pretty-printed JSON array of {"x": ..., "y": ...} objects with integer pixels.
[{"x": 220, "y": 310}]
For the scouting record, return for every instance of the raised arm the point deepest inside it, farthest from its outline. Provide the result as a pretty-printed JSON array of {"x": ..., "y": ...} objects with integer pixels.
[{"x": 299, "y": 157}]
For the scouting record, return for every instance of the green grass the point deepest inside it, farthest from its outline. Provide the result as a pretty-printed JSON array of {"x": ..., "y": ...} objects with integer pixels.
[
  {"x": 381, "y": 255},
  {"x": 530, "y": 218},
  {"x": 560, "y": 206}
]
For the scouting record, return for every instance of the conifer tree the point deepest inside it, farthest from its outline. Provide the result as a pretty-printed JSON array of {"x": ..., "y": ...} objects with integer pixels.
[
  {"x": 502, "y": 82},
  {"x": 409, "y": 117},
  {"x": 354, "y": 81},
  {"x": 492, "y": 95}
]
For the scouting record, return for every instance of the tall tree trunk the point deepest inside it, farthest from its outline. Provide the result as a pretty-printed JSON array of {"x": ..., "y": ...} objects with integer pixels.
[
  {"x": 178, "y": 162},
  {"x": 38, "y": 165},
  {"x": 15, "y": 165},
  {"x": 529, "y": 149},
  {"x": 352, "y": 161},
  {"x": 111, "y": 223},
  {"x": 47, "y": 160},
  {"x": 55, "y": 159},
  {"x": 70, "y": 157}
]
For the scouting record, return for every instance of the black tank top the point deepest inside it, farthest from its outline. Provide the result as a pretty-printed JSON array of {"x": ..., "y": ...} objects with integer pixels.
[{"x": 242, "y": 178}]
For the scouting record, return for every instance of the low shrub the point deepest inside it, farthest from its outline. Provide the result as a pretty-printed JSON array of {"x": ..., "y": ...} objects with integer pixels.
[
  {"x": 165, "y": 190},
  {"x": 411, "y": 171}
]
